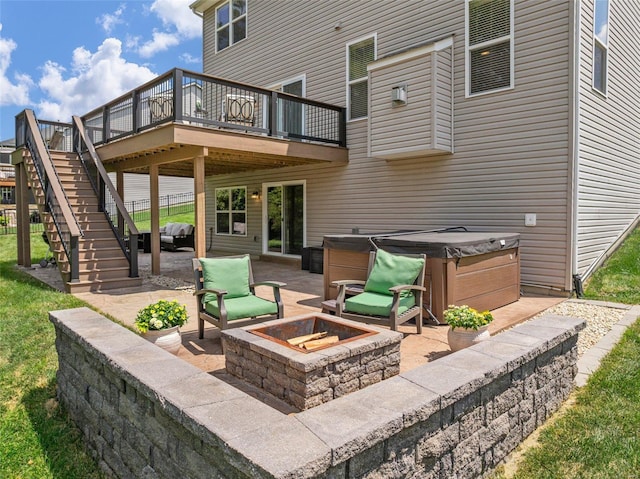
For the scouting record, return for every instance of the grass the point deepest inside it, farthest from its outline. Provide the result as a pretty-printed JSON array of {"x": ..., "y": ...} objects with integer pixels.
[
  {"x": 618, "y": 279},
  {"x": 37, "y": 439},
  {"x": 145, "y": 224}
]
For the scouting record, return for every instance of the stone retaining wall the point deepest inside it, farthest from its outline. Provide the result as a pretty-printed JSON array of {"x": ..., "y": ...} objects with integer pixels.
[{"x": 145, "y": 413}]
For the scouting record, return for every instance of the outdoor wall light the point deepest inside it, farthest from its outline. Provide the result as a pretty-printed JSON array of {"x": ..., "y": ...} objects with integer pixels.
[{"x": 255, "y": 195}]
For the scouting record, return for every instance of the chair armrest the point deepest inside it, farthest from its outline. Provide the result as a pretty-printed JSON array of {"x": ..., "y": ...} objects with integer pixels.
[
  {"x": 273, "y": 284},
  {"x": 217, "y": 292},
  {"x": 405, "y": 287},
  {"x": 347, "y": 282}
]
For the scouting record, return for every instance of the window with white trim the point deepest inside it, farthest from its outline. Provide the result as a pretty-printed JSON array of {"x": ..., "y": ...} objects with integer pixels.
[
  {"x": 359, "y": 55},
  {"x": 489, "y": 45},
  {"x": 231, "y": 23},
  {"x": 231, "y": 211},
  {"x": 600, "y": 44}
]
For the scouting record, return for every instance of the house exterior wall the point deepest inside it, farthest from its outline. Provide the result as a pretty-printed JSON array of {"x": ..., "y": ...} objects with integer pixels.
[
  {"x": 609, "y": 150},
  {"x": 511, "y": 147}
]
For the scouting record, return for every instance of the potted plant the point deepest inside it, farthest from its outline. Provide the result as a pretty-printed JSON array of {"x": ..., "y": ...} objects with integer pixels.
[
  {"x": 160, "y": 323},
  {"x": 466, "y": 326}
]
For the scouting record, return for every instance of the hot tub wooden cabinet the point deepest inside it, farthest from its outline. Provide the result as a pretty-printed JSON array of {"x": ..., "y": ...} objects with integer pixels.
[{"x": 481, "y": 269}]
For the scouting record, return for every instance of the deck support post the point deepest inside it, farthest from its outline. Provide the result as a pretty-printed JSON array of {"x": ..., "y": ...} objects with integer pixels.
[
  {"x": 200, "y": 201},
  {"x": 155, "y": 219}
]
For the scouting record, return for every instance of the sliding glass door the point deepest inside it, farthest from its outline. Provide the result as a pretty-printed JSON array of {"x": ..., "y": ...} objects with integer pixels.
[{"x": 284, "y": 218}]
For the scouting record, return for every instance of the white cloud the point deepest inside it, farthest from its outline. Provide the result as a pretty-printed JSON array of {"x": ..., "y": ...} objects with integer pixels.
[
  {"x": 188, "y": 58},
  {"x": 16, "y": 92},
  {"x": 109, "y": 20},
  {"x": 177, "y": 13},
  {"x": 161, "y": 41},
  {"x": 95, "y": 79},
  {"x": 180, "y": 24}
]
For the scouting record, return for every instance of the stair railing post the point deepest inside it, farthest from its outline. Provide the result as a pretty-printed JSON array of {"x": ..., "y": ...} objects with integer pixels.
[
  {"x": 74, "y": 262},
  {"x": 133, "y": 249}
]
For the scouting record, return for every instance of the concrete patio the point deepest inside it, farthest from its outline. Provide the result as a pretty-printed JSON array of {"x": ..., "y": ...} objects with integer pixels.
[{"x": 303, "y": 294}]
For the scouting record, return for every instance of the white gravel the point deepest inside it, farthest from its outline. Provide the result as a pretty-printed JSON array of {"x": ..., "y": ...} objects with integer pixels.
[{"x": 600, "y": 319}]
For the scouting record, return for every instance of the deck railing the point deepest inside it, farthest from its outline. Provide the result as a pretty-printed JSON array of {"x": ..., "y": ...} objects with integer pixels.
[{"x": 207, "y": 101}]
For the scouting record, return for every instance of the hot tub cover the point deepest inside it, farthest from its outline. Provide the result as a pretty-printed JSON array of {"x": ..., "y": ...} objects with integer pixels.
[{"x": 434, "y": 244}]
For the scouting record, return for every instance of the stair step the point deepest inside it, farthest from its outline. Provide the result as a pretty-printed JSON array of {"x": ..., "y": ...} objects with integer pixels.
[
  {"x": 102, "y": 268},
  {"x": 103, "y": 285}
]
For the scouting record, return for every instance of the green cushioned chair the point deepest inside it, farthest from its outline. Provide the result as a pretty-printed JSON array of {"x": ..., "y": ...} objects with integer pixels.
[
  {"x": 392, "y": 294},
  {"x": 226, "y": 293}
]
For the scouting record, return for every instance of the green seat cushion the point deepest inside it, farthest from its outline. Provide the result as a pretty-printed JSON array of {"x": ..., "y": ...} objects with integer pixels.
[
  {"x": 392, "y": 270},
  {"x": 244, "y": 307},
  {"x": 376, "y": 304},
  {"x": 230, "y": 274}
]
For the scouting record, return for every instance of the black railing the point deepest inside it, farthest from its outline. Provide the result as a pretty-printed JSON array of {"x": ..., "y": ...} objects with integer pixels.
[
  {"x": 9, "y": 221},
  {"x": 168, "y": 205},
  {"x": 56, "y": 204},
  {"x": 109, "y": 201},
  {"x": 207, "y": 101}
]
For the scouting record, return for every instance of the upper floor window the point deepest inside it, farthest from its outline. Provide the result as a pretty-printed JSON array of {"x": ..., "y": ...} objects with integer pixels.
[
  {"x": 231, "y": 23},
  {"x": 359, "y": 55},
  {"x": 600, "y": 44},
  {"x": 231, "y": 211},
  {"x": 489, "y": 45}
]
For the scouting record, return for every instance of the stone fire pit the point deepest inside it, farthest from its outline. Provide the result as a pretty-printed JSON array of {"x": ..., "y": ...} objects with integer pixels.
[{"x": 262, "y": 356}]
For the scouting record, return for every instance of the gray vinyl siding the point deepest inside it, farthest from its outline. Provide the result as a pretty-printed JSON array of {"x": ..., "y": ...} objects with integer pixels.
[
  {"x": 609, "y": 172},
  {"x": 511, "y": 147}
]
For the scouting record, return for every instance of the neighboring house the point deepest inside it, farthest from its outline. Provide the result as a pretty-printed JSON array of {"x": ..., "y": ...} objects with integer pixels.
[
  {"x": 519, "y": 116},
  {"x": 7, "y": 173}
]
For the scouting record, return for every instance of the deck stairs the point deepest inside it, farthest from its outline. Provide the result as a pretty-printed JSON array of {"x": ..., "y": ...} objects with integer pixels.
[{"x": 102, "y": 263}]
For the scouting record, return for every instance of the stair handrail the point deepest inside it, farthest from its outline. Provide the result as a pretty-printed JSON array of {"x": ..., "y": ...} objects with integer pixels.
[
  {"x": 102, "y": 184},
  {"x": 56, "y": 201}
]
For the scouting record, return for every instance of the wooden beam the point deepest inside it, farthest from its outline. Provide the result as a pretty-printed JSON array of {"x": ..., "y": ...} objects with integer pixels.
[
  {"x": 22, "y": 216},
  {"x": 155, "y": 219},
  {"x": 159, "y": 156},
  {"x": 200, "y": 206}
]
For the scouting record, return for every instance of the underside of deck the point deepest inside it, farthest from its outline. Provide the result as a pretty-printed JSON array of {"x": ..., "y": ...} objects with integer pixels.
[{"x": 173, "y": 147}]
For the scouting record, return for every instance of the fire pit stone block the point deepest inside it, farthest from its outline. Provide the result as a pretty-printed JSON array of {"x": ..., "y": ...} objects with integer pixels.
[{"x": 306, "y": 380}]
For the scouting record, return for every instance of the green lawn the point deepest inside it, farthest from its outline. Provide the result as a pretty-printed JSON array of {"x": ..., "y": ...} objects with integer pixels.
[
  {"x": 618, "y": 279},
  {"x": 144, "y": 223},
  {"x": 37, "y": 440}
]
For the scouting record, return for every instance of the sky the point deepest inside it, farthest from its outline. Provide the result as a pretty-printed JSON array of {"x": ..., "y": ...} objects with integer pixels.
[{"x": 66, "y": 57}]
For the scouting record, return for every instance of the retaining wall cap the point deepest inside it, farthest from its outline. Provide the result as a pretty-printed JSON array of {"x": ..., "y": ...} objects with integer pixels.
[
  {"x": 287, "y": 449},
  {"x": 349, "y": 427}
]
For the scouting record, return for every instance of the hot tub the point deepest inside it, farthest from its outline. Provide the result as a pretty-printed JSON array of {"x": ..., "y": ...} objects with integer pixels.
[{"x": 478, "y": 268}]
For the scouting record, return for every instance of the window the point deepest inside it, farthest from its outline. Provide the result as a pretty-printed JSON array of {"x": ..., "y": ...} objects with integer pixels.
[
  {"x": 359, "y": 55},
  {"x": 600, "y": 44},
  {"x": 489, "y": 52},
  {"x": 231, "y": 211},
  {"x": 231, "y": 23}
]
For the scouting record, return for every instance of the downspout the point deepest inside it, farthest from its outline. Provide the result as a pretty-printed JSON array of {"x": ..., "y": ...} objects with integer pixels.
[{"x": 574, "y": 149}]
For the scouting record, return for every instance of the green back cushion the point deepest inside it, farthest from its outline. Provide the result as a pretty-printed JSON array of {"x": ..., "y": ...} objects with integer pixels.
[
  {"x": 230, "y": 274},
  {"x": 392, "y": 270}
]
